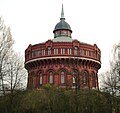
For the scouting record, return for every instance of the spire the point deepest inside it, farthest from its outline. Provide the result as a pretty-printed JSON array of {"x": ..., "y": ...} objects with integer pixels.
[{"x": 62, "y": 13}]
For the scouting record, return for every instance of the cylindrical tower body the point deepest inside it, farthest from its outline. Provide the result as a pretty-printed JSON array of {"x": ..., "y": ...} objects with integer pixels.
[{"x": 63, "y": 62}]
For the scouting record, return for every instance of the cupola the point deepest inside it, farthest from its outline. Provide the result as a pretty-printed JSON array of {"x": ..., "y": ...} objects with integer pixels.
[{"x": 62, "y": 28}]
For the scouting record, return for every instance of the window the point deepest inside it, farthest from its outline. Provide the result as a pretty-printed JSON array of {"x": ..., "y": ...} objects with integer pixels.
[
  {"x": 93, "y": 80},
  {"x": 75, "y": 77},
  {"x": 75, "y": 50},
  {"x": 41, "y": 79},
  {"x": 69, "y": 51},
  {"x": 49, "y": 50},
  {"x": 36, "y": 53},
  {"x": 62, "y": 51},
  {"x": 62, "y": 77},
  {"x": 85, "y": 78},
  {"x": 56, "y": 34},
  {"x": 87, "y": 53},
  {"x": 82, "y": 52},
  {"x": 91, "y": 53},
  {"x": 63, "y": 32},
  {"x": 39, "y": 52},
  {"x": 33, "y": 53},
  {"x": 55, "y": 51},
  {"x": 50, "y": 77},
  {"x": 43, "y": 52},
  {"x": 73, "y": 80}
]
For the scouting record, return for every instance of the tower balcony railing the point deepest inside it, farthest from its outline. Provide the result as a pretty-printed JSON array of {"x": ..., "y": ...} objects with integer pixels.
[{"x": 70, "y": 52}]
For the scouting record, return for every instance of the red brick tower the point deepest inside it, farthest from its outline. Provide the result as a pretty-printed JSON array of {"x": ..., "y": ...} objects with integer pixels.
[{"x": 62, "y": 61}]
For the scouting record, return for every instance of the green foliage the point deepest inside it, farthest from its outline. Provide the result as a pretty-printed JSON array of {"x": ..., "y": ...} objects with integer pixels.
[
  {"x": 53, "y": 100},
  {"x": 47, "y": 86}
]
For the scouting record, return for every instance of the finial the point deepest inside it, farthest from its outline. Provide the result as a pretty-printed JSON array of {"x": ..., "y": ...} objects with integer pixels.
[{"x": 62, "y": 13}]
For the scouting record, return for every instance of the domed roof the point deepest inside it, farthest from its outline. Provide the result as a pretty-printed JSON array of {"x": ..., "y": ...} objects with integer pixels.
[{"x": 62, "y": 25}]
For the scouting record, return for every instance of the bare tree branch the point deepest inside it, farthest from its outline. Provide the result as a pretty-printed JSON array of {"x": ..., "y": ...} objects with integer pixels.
[{"x": 12, "y": 72}]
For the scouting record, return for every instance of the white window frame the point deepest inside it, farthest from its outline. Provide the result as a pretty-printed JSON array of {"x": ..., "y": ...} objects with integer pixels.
[
  {"x": 43, "y": 52},
  {"x": 51, "y": 77},
  {"x": 41, "y": 79},
  {"x": 73, "y": 79},
  {"x": 75, "y": 50},
  {"x": 61, "y": 51},
  {"x": 69, "y": 51},
  {"x": 49, "y": 50},
  {"x": 55, "y": 51},
  {"x": 62, "y": 76},
  {"x": 85, "y": 78}
]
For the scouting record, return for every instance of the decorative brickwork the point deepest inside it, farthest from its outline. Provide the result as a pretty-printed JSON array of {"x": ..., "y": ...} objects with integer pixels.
[{"x": 67, "y": 57}]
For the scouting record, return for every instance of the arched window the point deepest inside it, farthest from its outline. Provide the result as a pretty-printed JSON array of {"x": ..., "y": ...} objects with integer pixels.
[
  {"x": 41, "y": 78},
  {"x": 85, "y": 78},
  {"x": 73, "y": 80},
  {"x": 62, "y": 75},
  {"x": 49, "y": 50},
  {"x": 93, "y": 80},
  {"x": 75, "y": 77},
  {"x": 75, "y": 50},
  {"x": 51, "y": 77}
]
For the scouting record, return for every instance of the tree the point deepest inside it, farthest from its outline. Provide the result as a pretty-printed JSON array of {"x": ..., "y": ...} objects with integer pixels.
[
  {"x": 12, "y": 70},
  {"x": 111, "y": 78},
  {"x": 6, "y": 43},
  {"x": 115, "y": 66},
  {"x": 110, "y": 83}
]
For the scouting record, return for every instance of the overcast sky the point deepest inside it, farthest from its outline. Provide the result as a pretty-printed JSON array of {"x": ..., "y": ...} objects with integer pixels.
[{"x": 92, "y": 21}]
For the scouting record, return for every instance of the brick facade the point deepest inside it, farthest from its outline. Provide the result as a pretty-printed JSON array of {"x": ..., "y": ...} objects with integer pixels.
[
  {"x": 63, "y": 62},
  {"x": 68, "y": 57}
]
